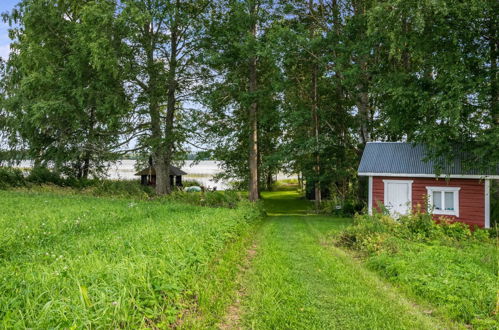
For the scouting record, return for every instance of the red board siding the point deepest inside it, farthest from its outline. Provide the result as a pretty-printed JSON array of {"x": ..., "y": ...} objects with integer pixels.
[{"x": 471, "y": 196}]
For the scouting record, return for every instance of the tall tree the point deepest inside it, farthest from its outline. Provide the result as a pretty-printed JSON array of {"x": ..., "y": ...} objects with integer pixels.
[
  {"x": 161, "y": 38},
  {"x": 438, "y": 80},
  {"x": 240, "y": 98},
  {"x": 63, "y": 98}
]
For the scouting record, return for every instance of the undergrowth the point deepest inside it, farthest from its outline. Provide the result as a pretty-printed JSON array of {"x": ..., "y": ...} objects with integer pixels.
[
  {"x": 44, "y": 180},
  {"x": 446, "y": 264}
]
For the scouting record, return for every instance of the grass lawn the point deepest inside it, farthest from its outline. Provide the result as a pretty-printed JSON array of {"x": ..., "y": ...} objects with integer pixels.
[
  {"x": 460, "y": 281},
  {"x": 79, "y": 261},
  {"x": 299, "y": 281}
]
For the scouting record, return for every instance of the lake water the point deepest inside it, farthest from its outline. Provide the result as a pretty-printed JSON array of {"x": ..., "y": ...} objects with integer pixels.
[{"x": 203, "y": 172}]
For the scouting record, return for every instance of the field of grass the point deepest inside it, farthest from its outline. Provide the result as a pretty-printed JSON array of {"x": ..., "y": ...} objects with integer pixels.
[
  {"x": 69, "y": 260},
  {"x": 460, "y": 281},
  {"x": 297, "y": 280},
  {"x": 449, "y": 267},
  {"x": 80, "y": 261}
]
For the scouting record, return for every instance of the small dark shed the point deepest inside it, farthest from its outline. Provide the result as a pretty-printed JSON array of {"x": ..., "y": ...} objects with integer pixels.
[{"x": 148, "y": 176}]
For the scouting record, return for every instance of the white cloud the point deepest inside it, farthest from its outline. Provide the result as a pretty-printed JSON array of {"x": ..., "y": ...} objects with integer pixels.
[{"x": 5, "y": 51}]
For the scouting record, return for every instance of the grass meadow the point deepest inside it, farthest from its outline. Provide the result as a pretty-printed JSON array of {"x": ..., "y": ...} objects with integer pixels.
[
  {"x": 446, "y": 266},
  {"x": 74, "y": 258},
  {"x": 80, "y": 261}
]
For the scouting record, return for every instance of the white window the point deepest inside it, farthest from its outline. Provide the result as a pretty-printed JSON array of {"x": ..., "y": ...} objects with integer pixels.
[{"x": 443, "y": 200}]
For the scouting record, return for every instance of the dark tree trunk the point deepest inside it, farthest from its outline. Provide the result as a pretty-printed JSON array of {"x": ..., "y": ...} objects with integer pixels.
[
  {"x": 88, "y": 149},
  {"x": 253, "y": 119},
  {"x": 171, "y": 102},
  {"x": 315, "y": 120},
  {"x": 270, "y": 181},
  {"x": 315, "y": 117},
  {"x": 157, "y": 143}
]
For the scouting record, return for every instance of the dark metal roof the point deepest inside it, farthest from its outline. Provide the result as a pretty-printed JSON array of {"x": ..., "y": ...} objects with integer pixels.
[
  {"x": 407, "y": 158},
  {"x": 151, "y": 171}
]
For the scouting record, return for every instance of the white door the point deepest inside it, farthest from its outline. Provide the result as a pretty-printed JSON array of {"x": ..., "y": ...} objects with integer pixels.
[{"x": 398, "y": 196}]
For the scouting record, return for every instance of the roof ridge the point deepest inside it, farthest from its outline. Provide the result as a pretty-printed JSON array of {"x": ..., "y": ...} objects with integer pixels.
[{"x": 386, "y": 142}]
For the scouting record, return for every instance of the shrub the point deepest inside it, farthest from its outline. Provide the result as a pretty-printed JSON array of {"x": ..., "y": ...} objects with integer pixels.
[
  {"x": 368, "y": 233},
  {"x": 42, "y": 175},
  {"x": 228, "y": 198},
  {"x": 190, "y": 183},
  {"x": 120, "y": 188},
  {"x": 11, "y": 177},
  {"x": 456, "y": 230},
  {"x": 80, "y": 183},
  {"x": 482, "y": 235},
  {"x": 420, "y": 225},
  {"x": 341, "y": 208}
]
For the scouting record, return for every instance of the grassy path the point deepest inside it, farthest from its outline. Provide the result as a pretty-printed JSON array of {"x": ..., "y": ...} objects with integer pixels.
[{"x": 298, "y": 281}]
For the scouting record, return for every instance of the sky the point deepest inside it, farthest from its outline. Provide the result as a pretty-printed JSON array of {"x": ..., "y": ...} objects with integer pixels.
[{"x": 5, "y": 5}]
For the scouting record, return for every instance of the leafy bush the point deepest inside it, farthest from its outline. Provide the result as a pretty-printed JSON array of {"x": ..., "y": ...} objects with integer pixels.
[
  {"x": 341, "y": 208},
  {"x": 368, "y": 232},
  {"x": 419, "y": 224},
  {"x": 190, "y": 183},
  {"x": 11, "y": 177},
  {"x": 42, "y": 175},
  {"x": 228, "y": 198},
  {"x": 416, "y": 227},
  {"x": 120, "y": 188},
  {"x": 456, "y": 230}
]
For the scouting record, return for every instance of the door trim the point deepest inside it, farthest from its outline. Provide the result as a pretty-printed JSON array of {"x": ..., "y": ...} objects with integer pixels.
[{"x": 409, "y": 191}]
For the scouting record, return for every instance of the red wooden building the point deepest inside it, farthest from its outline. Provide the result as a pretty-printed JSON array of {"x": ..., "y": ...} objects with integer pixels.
[{"x": 402, "y": 180}]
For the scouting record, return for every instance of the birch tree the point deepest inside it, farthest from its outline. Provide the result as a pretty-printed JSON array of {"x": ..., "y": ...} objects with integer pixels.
[{"x": 161, "y": 46}]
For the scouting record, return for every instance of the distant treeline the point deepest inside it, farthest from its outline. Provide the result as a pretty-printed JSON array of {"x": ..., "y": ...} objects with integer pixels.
[{"x": 264, "y": 85}]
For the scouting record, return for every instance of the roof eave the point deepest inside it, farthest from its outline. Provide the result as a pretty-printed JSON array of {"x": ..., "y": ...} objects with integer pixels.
[{"x": 422, "y": 175}]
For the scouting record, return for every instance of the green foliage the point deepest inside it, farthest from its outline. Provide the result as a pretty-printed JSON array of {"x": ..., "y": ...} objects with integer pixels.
[
  {"x": 437, "y": 77},
  {"x": 190, "y": 183},
  {"x": 228, "y": 199},
  {"x": 63, "y": 97},
  {"x": 341, "y": 208},
  {"x": 227, "y": 96},
  {"x": 494, "y": 203},
  {"x": 11, "y": 177},
  {"x": 445, "y": 264},
  {"x": 43, "y": 175},
  {"x": 73, "y": 261},
  {"x": 120, "y": 188}
]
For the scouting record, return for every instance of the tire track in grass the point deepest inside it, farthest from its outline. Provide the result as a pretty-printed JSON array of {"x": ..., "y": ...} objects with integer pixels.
[
  {"x": 324, "y": 253},
  {"x": 232, "y": 318},
  {"x": 297, "y": 283}
]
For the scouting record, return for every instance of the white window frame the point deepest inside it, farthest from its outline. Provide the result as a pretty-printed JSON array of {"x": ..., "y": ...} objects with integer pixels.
[
  {"x": 487, "y": 204},
  {"x": 443, "y": 190},
  {"x": 409, "y": 191},
  {"x": 370, "y": 197}
]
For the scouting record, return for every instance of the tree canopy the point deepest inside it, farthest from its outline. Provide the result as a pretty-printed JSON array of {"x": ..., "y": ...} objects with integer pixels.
[{"x": 263, "y": 85}]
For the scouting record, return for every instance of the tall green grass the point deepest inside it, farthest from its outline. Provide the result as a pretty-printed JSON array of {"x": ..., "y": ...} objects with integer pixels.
[
  {"x": 447, "y": 265},
  {"x": 80, "y": 261}
]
